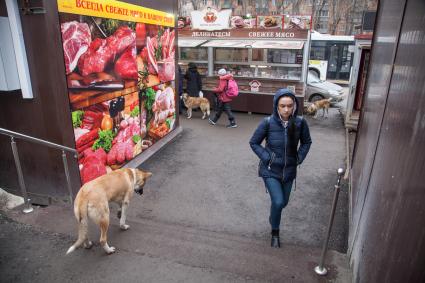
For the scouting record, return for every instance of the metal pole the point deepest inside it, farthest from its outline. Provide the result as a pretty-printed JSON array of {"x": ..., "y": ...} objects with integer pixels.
[
  {"x": 28, "y": 208},
  {"x": 68, "y": 179},
  {"x": 320, "y": 269}
]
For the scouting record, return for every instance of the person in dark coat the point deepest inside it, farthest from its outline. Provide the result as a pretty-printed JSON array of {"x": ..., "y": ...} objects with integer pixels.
[
  {"x": 287, "y": 144},
  {"x": 180, "y": 74},
  {"x": 193, "y": 80}
]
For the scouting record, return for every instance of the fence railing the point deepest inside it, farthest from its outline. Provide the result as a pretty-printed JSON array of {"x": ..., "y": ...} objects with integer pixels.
[{"x": 14, "y": 135}]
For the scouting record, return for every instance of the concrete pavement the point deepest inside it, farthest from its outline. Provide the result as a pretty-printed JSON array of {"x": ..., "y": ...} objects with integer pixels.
[{"x": 203, "y": 217}]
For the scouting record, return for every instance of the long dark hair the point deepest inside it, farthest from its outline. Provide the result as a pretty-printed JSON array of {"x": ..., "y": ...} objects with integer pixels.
[{"x": 292, "y": 129}]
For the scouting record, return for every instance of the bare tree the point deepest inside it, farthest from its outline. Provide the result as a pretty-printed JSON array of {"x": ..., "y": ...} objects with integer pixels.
[
  {"x": 317, "y": 9},
  {"x": 296, "y": 6},
  {"x": 338, "y": 12}
]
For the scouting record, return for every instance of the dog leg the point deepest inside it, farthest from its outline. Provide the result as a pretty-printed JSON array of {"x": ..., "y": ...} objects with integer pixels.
[
  {"x": 104, "y": 225},
  {"x": 204, "y": 116},
  {"x": 189, "y": 113},
  {"x": 124, "y": 207}
]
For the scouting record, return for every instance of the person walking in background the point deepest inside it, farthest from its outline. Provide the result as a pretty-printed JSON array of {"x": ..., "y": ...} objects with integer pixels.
[
  {"x": 226, "y": 90},
  {"x": 283, "y": 131},
  {"x": 193, "y": 80},
  {"x": 180, "y": 74}
]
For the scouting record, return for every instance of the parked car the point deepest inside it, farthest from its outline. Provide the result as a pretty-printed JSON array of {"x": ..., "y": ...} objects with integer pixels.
[{"x": 318, "y": 89}]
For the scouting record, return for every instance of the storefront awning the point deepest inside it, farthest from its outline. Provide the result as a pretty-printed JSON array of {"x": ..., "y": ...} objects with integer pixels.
[
  {"x": 229, "y": 43},
  {"x": 190, "y": 42},
  {"x": 269, "y": 44}
]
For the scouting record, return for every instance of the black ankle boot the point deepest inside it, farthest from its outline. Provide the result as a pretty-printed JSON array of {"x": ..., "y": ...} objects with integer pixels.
[{"x": 275, "y": 242}]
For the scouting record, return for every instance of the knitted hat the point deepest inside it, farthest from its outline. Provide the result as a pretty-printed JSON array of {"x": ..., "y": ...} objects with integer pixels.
[{"x": 222, "y": 72}]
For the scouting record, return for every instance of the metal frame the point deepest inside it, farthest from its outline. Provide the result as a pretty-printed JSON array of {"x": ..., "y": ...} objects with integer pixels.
[{"x": 28, "y": 208}]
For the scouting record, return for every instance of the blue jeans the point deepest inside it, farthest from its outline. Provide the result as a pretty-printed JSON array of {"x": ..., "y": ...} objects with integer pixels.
[{"x": 279, "y": 194}]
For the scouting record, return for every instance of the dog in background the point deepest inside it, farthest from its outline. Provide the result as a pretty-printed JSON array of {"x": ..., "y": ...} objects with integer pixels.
[
  {"x": 195, "y": 102},
  {"x": 92, "y": 201},
  {"x": 324, "y": 104}
]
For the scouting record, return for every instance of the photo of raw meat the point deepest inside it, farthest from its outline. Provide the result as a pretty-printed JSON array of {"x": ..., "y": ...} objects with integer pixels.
[
  {"x": 100, "y": 58},
  {"x": 297, "y": 22},
  {"x": 120, "y": 78},
  {"x": 155, "y": 54},
  {"x": 108, "y": 134},
  {"x": 159, "y": 104}
]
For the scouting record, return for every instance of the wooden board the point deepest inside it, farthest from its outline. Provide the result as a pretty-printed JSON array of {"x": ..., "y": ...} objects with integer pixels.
[{"x": 81, "y": 99}]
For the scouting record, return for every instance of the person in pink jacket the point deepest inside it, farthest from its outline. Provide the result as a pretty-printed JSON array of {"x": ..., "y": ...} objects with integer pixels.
[{"x": 223, "y": 99}]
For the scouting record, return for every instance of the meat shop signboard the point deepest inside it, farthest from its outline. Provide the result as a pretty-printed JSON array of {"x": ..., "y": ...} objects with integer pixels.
[
  {"x": 211, "y": 19},
  {"x": 119, "y": 64}
]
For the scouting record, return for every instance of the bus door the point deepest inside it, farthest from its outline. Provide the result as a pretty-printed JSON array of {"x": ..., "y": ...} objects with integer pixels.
[{"x": 339, "y": 62}]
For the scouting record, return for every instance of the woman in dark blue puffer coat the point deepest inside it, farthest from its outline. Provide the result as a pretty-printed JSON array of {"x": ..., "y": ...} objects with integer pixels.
[{"x": 287, "y": 144}]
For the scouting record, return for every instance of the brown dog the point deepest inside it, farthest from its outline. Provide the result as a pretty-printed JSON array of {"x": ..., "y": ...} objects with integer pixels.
[
  {"x": 195, "y": 102},
  {"x": 323, "y": 104},
  {"x": 92, "y": 201}
]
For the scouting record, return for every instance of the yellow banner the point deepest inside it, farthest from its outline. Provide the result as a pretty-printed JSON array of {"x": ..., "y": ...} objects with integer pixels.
[{"x": 112, "y": 9}]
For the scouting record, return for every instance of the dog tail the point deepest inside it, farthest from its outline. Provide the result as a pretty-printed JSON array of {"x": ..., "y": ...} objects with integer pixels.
[
  {"x": 81, "y": 214},
  {"x": 329, "y": 99}
]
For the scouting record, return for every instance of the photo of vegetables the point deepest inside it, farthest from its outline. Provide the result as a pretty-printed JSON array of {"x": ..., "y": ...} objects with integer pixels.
[{"x": 108, "y": 134}]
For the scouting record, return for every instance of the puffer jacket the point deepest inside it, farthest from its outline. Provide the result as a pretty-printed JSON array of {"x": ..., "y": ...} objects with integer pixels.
[
  {"x": 221, "y": 88},
  {"x": 280, "y": 156},
  {"x": 194, "y": 82}
]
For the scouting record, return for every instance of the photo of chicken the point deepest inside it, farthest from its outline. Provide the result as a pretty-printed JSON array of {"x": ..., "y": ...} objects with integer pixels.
[{"x": 159, "y": 103}]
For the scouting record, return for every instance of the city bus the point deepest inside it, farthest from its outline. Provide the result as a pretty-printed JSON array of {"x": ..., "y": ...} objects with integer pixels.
[{"x": 331, "y": 56}]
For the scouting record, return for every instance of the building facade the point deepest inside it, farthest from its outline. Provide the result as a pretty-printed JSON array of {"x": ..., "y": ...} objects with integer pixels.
[{"x": 339, "y": 17}]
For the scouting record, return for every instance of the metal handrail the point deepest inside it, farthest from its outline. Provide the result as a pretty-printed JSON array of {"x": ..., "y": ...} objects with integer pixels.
[
  {"x": 28, "y": 208},
  {"x": 320, "y": 269},
  {"x": 36, "y": 140}
]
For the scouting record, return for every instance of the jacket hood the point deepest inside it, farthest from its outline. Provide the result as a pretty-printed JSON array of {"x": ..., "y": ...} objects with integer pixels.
[
  {"x": 281, "y": 93},
  {"x": 226, "y": 77}
]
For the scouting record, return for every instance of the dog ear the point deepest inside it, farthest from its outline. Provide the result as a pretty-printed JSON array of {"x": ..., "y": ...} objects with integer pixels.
[
  {"x": 143, "y": 174},
  {"x": 146, "y": 174}
]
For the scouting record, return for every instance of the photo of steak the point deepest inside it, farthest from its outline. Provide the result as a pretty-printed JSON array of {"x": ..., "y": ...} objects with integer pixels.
[
  {"x": 98, "y": 153},
  {"x": 93, "y": 167},
  {"x": 104, "y": 51},
  {"x": 126, "y": 66},
  {"x": 76, "y": 38},
  {"x": 96, "y": 58},
  {"x": 166, "y": 70}
]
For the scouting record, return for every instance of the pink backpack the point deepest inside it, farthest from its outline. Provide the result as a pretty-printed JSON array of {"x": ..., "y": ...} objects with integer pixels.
[{"x": 232, "y": 89}]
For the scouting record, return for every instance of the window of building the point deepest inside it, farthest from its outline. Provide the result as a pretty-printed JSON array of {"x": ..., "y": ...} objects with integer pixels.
[{"x": 324, "y": 13}]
